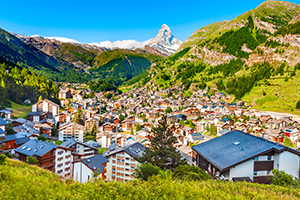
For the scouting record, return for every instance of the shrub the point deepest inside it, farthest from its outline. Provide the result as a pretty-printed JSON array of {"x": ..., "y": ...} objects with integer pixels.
[
  {"x": 298, "y": 105},
  {"x": 281, "y": 178},
  {"x": 187, "y": 172},
  {"x": 145, "y": 171},
  {"x": 2, "y": 159},
  {"x": 32, "y": 160},
  {"x": 8, "y": 155}
]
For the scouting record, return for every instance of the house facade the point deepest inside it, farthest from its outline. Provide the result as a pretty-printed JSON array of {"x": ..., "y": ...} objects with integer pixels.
[
  {"x": 122, "y": 162},
  {"x": 71, "y": 130},
  {"x": 46, "y": 106}
]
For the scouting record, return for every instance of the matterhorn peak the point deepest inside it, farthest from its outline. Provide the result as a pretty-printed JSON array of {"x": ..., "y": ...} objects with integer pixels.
[{"x": 165, "y": 42}]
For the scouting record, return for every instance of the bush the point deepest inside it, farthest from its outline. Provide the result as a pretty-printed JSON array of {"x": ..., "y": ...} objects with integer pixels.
[
  {"x": 2, "y": 159},
  {"x": 298, "y": 105},
  {"x": 8, "y": 155},
  {"x": 145, "y": 171},
  {"x": 32, "y": 160},
  {"x": 281, "y": 178},
  {"x": 187, "y": 172}
]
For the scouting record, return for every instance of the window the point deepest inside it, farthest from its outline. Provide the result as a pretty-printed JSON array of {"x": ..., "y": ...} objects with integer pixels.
[
  {"x": 269, "y": 157},
  {"x": 88, "y": 177},
  {"x": 255, "y": 173},
  {"x": 256, "y": 158},
  {"x": 268, "y": 172},
  {"x": 127, "y": 164},
  {"x": 127, "y": 170}
]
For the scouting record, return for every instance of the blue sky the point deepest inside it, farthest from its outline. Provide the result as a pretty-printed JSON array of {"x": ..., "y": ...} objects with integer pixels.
[{"x": 97, "y": 20}]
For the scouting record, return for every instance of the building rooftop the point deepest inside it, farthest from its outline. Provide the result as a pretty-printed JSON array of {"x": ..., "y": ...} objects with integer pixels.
[
  {"x": 35, "y": 147},
  {"x": 95, "y": 163}
]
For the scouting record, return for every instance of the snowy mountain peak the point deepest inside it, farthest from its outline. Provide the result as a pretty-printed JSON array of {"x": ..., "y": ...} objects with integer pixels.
[{"x": 165, "y": 42}]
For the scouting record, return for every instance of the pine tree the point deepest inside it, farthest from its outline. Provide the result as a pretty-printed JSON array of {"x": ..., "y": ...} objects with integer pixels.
[
  {"x": 10, "y": 130},
  {"x": 138, "y": 127},
  {"x": 94, "y": 129},
  {"x": 40, "y": 98},
  {"x": 78, "y": 117},
  {"x": 162, "y": 153}
]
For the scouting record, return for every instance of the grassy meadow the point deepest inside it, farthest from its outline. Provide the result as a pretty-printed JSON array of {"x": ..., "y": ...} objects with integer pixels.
[{"x": 22, "y": 181}]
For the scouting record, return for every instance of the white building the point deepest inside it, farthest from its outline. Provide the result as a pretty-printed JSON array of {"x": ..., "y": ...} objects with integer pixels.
[
  {"x": 86, "y": 169},
  {"x": 63, "y": 162},
  {"x": 238, "y": 156}
]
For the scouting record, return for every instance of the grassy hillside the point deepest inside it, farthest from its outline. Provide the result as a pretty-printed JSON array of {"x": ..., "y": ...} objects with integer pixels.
[
  {"x": 21, "y": 181},
  {"x": 236, "y": 56}
]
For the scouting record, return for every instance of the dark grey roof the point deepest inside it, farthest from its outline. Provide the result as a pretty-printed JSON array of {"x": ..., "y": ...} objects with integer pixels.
[
  {"x": 2, "y": 122},
  {"x": 96, "y": 163},
  {"x": 69, "y": 143},
  {"x": 135, "y": 150},
  {"x": 35, "y": 147},
  {"x": 22, "y": 140},
  {"x": 234, "y": 147},
  {"x": 9, "y": 138}
]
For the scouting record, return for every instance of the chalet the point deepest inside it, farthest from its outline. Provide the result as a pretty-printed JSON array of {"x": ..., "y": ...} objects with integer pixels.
[
  {"x": 85, "y": 169},
  {"x": 274, "y": 135},
  {"x": 71, "y": 130},
  {"x": 109, "y": 127},
  {"x": 64, "y": 94},
  {"x": 22, "y": 122},
  {"x": 265, "y": 118},
  {"x": 122, "y": 162},
  {"x": 238, "y": 156},
  {"x": 43, "y": 151},
  {"x": 80, "y": 148},
  {"x": 13, "y": 142},
  {"x": 37, "y": 116},
  {"x": 46, "y": 106}
]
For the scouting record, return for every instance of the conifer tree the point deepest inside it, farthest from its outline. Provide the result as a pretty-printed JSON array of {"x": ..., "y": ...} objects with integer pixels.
[
  {"x": 162, "y": 153},
  {"x": 94, "y": 129},
  {"x": 40, "y": 98},
  {"x": 78, "y": 117},
  {"x": 10, "y": 130}
]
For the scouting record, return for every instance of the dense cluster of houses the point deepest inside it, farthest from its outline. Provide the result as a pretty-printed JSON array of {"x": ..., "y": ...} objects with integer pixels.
[{"x": 124, "y": 124}]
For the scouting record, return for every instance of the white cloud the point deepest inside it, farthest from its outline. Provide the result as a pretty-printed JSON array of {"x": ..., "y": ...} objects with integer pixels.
[
  {"x": 124, "y": 44},
  {"x": 63, "y": 39}
]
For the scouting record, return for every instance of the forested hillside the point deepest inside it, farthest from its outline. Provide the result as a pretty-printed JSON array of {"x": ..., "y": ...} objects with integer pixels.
[{"x": 18, "y": 84}]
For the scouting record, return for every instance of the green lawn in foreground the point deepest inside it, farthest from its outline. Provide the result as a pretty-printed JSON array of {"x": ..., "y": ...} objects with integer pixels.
[
  {"x": 20, "y": 110},
  {"x": 22, "y": 181}
]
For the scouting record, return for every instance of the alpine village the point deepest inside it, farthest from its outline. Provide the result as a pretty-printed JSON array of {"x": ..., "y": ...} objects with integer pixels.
[{"x": 214, "y": 117}]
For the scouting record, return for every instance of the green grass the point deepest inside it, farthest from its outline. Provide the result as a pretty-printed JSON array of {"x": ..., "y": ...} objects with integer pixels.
[
  {"x": 101, "y": 150},
  {"x": 281, "y": 96},
  {"x": 20, "y": 110},
  {"x": 22, "y": 181}
]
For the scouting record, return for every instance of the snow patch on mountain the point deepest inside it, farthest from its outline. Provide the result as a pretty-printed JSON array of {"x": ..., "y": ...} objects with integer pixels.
[{"x": 63, "y": 39}]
